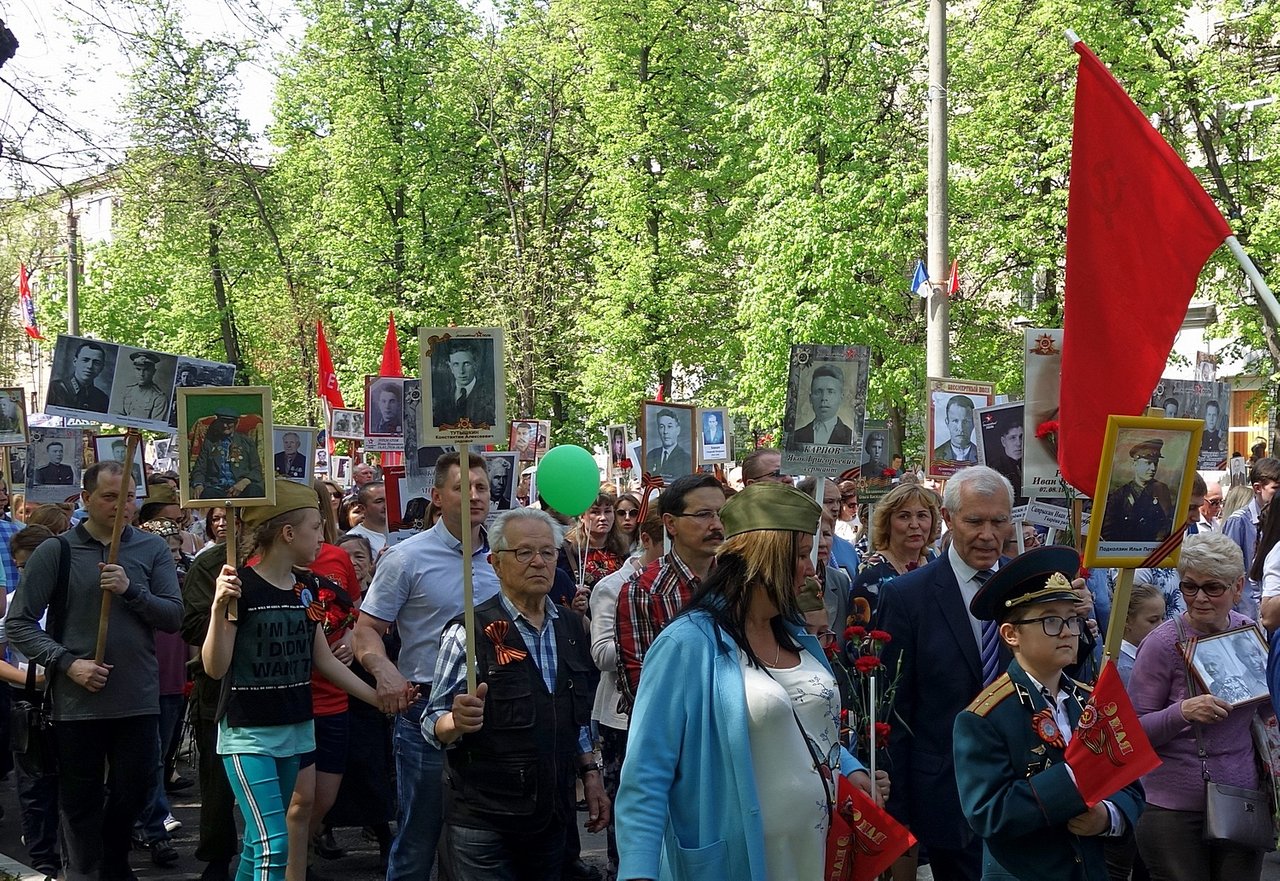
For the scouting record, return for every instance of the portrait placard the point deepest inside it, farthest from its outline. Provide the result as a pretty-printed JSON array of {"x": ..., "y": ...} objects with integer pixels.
[
  {"x": 1042, "y": 364},
  {"x": 341, "y": 470},
  {"x": 953, "y": 440},
  {"x": 526, "y": 438},
  {"x": 17, "y": 458},
  {"x": 141, "y": 388},
  {"x": 197, "y": 373},
  {"x": 1196, "y": 399},
  {"x": 461, "y": 369},
  {"x": 225, "y": 447},
  {"x": 635, "y": 452},
  {"x": 346, "y": 424},
  {"x": 13, "y": 417},
  {"x": 1144, "y": 488},
  {"x": 502, "y": 467},
  {"x": 419, "y": 461},
  {"x": 1232, "y": 665},
  {"x": 1001, "y": 441},
  {"x": 55, "y": 465},
  {"x": 876, "y": 469},
  {"x": 321, "y": 461},
  {"x": 384, "y": 414},
  {"x": 668, "y": 438},
  {"x": 293, "y": 449},
  {"x": 618, "y": 437},
  {"x": 113, "y": 448},
  {"x": 544, "y": 437},
  {"x": 825, "y": 407},
  {"x": 715, "y": 443},
  {"x": 80, "y": 379}
]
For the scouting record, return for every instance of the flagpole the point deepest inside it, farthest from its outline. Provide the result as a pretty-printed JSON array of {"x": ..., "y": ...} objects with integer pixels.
[{"x": 1255, "y": 276}]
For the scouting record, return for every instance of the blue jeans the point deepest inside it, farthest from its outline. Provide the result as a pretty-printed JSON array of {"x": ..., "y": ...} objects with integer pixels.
[
  {"x": 420, "y": 793},
  {"x": 157, "y": 809},
  {"x": 263, "y": 786},
  {"x": 486, "y": 855}
]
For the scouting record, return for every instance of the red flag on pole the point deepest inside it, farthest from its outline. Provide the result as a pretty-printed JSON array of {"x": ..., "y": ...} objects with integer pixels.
[
  {"x": 391, "y": 351},
  {"x": 953, "y": 286},
  {"x": 1139, "y": 229},
  {"x": 864, "y": 840},
  {"x": 1108, "y": 749},
  {"x": 328, "y": 377},
  {"x": 27, "y": 304}
]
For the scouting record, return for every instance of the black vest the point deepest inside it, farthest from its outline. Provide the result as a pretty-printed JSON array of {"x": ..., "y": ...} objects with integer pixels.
[{"x": 516, "y": 772}]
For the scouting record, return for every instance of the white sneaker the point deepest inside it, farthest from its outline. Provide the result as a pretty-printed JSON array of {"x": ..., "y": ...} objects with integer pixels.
[{"x": 172, "y": 824}]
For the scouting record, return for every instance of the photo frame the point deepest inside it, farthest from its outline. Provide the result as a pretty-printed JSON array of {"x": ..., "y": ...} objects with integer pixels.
[
  {"x": 462, "y": 376},
  {"x": 1002, "y": 442},
  {"x": 1144, "y": 488},
  {"x": 384, "y": 413},
  {"x": 1197, "y": 399},
  {"x": 879, "y": 446},
  {"x": 346, "y": 424},
  {"x": 16, "y": 457},
  {"x": 340, "y": 470},
  {"x": 504, "y": 475},
  {"x": 108, "y": 447},
  {"x": 197, "y": 373},
  {"x": 544, "y": 437},
  {"x": 616, "y": 439},
  {"x": 13, "y": 417},
  {"x": 231, "y": 428},
  {"x": 668, "y": 434},
  {"x": 81, "y": 377},
  {"x": 524, "y": 437},
  {"x": 1231, "y": 665},
  {"x": 715, "y": 435},
  {"x": 1042, "y": 372},
  {"x": 141, "y": 388},
  {"x": 825, "y": 409},
  {"x": 55, "y": 464},
  {"x": 293, "y": 452},
  {"x": 953, "y": 439}
]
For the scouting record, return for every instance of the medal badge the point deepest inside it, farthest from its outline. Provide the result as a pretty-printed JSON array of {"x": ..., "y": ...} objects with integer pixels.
[{"x": 1046, "y": 727}]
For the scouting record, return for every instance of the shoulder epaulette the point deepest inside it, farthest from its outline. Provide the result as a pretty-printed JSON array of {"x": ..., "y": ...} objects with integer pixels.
[{"x": 991, "y": 695}]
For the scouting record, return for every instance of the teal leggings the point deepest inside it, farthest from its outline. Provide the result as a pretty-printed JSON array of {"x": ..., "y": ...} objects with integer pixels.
[{"x": 263, "y": 786}]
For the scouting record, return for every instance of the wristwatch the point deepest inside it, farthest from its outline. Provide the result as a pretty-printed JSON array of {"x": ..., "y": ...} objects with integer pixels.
[{"x": 584, "y": 770}]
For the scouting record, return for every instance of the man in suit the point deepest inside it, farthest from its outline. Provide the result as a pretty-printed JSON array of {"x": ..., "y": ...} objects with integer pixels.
[
  {"x": 712, "y": 430},
  {"x": 499, "y": 483},
  {"x": 289, "y": 462},
  {"x": 1142, "y": 509},
  {"x": 386, "y": 418},
  {"x": 937, "y": 649},
  {"x": 668, "y": 460},
  {"x": 471, "y": 395},
  {"x": 959, "y": 448},
  {"x": 78, "y": 391},
  {"x": 54, "y": 473},
  {"x": 826, "y": 392},
  {"x": 1211, "y": 439}
]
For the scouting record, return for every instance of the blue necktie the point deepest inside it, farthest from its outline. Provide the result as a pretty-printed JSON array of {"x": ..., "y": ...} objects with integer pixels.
[{"x": 990, "y": 639}]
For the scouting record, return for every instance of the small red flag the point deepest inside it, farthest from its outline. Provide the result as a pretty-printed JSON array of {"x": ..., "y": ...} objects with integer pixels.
[
  {"x": 662, "y": 389},
  {"x": 1108, "y": 749},
  {"x": 27, "y": 304},
  {"x": 328, "y": 377},
  {"x": 864, "y": 839},
  {"x": 391, "y": 365},
  {"x": 1139, "y": 229},
  {"x": 953, "y": 286}
]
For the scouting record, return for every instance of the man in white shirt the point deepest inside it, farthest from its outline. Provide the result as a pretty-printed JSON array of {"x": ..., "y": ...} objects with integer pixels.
[
  {"x": 1211, "y": 510},
  {"x": 960, "y": 447},
  {"x": 826, "y": 393},
  {"x": 373, "y": 498}
]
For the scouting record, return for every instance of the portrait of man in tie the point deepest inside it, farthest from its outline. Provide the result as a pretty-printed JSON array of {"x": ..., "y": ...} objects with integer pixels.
[
  {"x": 668, "y": 439},
  {"x": 463, "y": 389}
]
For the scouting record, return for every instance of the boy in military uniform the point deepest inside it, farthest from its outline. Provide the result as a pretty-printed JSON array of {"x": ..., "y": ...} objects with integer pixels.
[{"x": 1016, "y": 789}]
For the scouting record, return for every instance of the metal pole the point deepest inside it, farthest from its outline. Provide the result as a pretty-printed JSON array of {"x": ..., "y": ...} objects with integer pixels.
[
  {"x": 938, "y": 347},
  {"x": 73, "y": 274}
]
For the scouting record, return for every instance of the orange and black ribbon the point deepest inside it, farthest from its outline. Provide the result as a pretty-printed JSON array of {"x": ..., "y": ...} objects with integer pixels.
[
  {"x": 497, "y": 632},
  {"x": 648, "y": 483},
  {"x": 1165, "y": 548}
]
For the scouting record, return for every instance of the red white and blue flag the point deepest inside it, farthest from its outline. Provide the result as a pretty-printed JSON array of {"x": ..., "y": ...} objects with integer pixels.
[{"x": 28, "y": 304}]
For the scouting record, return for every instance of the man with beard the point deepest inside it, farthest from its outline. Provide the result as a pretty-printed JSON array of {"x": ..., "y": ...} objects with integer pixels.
[{"x": 227, "y": 466}]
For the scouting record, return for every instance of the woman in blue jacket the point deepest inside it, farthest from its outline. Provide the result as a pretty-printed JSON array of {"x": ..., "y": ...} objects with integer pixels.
[{"x": 737, "y": 716}]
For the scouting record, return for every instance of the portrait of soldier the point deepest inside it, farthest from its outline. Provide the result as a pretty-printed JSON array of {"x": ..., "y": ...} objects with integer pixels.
[
  {"x": 55, "y": 473},
  {"x": 386, "y": 416},
  {"x": 227, "y": 466},
  {"x": 1142, "y": 509},
  {"x": 78, "y": 390},
  {"x": 1211, "y": 438},
  {"x": 142, "y": 398}
]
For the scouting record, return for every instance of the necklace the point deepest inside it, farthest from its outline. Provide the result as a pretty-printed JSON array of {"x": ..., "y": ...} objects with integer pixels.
[{"x": 777, "y": 655}]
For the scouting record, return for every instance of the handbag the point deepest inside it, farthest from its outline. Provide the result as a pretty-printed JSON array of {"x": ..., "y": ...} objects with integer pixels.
[
  {"x": 1232, "y": 814},
  {"x": 31, "y": 716}
]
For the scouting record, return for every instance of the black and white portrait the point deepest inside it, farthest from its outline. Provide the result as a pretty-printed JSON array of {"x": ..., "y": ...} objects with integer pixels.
[
  {"x": 953, "y": 439},
  {"x": 196, "y": 373},
  {"x": 1233, "y": 665},
  {"x": 114, "y": 448},
  {"x": 825, "y": 407},
  {"x": 17, "y": 457},
  {"x": 13, "y": 417},
  {"x": 81, "y": 377},
  {"x": 1001, "y": 441},
  {"x": 347, "y": 424},
  {"x": 55, "y": 462},
  {"x": 502, "y": 467},
  {"x": 142, "y": 388},
  {"x": 463, "y": 369},
  {"x": 293, "y": 452},
  {"x": 877, "y": 471},
  {"x": 668, "y": 439},
  {"x": 713, "y": 435},
  {"x": 1207, "y": 401},
  {"x": 384, "y": 406}
]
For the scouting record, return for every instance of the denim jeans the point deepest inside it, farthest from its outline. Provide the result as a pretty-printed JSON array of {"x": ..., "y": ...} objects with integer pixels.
[
  {"x": 420, "y": 793},
  {"x": 263, "y": 786},
  {"x": 157, "y": 808},
  {"x": 486, "y": 855},
  {"x": 101, "y": 792}
]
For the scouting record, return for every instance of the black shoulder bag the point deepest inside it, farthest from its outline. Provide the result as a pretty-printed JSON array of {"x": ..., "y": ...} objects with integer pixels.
[{"x": 31, "y": 716}]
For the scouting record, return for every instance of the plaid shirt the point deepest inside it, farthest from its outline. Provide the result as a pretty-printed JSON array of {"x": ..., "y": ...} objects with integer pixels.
[
  {"x": 8, "y": 529},
  {"x": 646, "y": 604}
]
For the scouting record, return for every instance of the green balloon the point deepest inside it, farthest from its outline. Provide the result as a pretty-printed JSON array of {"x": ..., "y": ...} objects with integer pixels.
[{"x": 569, "y": 479}]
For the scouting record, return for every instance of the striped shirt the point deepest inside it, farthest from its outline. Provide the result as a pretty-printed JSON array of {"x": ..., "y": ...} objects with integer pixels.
[{"x": 646, "y": 604}]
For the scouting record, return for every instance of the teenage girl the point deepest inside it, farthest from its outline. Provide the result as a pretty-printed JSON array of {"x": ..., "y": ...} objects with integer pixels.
[{"x": 1146, "y": 612}]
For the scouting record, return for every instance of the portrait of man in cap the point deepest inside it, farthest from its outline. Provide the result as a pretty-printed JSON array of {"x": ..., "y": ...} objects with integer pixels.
[
  {"x": 1142, "y": 509},
  {"x": 143, "y": 398},
  {"x": 228, "y": 465}
]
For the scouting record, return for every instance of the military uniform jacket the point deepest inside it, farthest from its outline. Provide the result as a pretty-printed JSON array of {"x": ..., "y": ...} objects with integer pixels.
[
  {"x": 1137, "y": 513},
  {"x": 1015, "y": 789}
]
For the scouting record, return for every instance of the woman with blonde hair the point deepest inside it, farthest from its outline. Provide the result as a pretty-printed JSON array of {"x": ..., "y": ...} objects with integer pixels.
[{"x": 904, "y": 526}]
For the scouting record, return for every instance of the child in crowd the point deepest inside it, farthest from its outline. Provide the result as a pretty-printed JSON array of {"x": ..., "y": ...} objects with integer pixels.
[{"x": 1146, "y": 611}]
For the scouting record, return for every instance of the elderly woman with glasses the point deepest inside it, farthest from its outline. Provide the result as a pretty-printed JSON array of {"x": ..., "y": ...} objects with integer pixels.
[{"x": 1178, "y": 719}]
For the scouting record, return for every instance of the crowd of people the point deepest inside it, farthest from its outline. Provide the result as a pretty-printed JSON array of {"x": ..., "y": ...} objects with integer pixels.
[{"x": 668, "y": 670}]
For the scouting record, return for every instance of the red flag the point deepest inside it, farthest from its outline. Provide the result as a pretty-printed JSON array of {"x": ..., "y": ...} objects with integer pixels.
[
  {"x": 1108, "y": 749},
  {"x": 391, "y": 351},
  {"x": 328, "y": 377},
  {"x": 661, "y": 396},
  {"x": 27, "y": 304},
  {"x": 1139, "y": 230},
  {"x": 953, "y": 286},
  {"x": 864, "y": 839}
]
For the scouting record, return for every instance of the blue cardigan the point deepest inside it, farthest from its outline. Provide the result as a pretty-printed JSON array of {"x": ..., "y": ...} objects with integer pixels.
[{"x": 687, "y": 806}]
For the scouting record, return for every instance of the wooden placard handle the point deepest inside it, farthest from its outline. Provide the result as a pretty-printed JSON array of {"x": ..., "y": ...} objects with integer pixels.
[{"x": 113, "y": 553}]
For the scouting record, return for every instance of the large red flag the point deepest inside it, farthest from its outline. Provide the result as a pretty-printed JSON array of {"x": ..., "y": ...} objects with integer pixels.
[
  {"x": 328, "y": 377},
  {"x": 1139, "y": 229},
  {"x": 391, "y": 351},
  {"x": 1108, "y": 749}
]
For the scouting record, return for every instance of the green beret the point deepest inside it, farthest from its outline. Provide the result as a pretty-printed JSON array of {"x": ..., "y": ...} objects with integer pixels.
[
  {"x": 773, "y": 506},
  {"x": 290, "y": 496},
  {"x": 809, "y": 599}
]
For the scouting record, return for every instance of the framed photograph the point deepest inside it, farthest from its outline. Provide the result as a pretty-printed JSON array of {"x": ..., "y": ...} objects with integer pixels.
[
  {"x": 113, "y": 447},
  {"x": 293, "y": 452},
  {"x": 384, "y": 413},
  {"x": 635, "y": 452},
  {"x": 503, "y": 476},
  {"x": 1042, "y": 365},
  {"x": 1001, "y": 441},
  {"x": 876, "y": 475},
  {"x": 1197, "y": 399},
  {"x": 1144, "y": 488},
  {"x": 616, "y": 439},
  {"x": 225, "y": 447},
  {"x": 321, "y": 461},
  {"x": 953, "y": 440},
  {"x": 13, "y": 417},
  {"x": 16, "y": 459},
  {"x": 347, "y": 424},
  {"x": 825, "y": 406},
  {"x": 141, "y": 388},
  {"x": 523, "y": 438},
  {"x": 1231, "y": 665},
  {"x": 55, "y": 464},
  {"x": 461, "y": 369},
  {"x": 715, "y": 444},
  {"x": 340, "y": 470},
  {"x": 544, "y": 437},
  {"x": 80, "y": 380},
  {"x": 668, "y": 439},
  {"x": 197, "y": 373}
]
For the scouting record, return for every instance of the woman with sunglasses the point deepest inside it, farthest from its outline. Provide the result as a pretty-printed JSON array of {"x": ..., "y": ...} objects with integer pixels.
[{"x": 1177, "y": 718}]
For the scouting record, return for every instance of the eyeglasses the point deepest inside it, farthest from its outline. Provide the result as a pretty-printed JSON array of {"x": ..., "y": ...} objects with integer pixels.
[
  {"x": 703, "y": 517},
  {"x": 1213, "y": 503},
  {"x": 1053, "y": 624},
  {"x": 1209, "y": 589},
  {"x": 628, "y": 512},
  {"x": 526, "y": 555}
]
